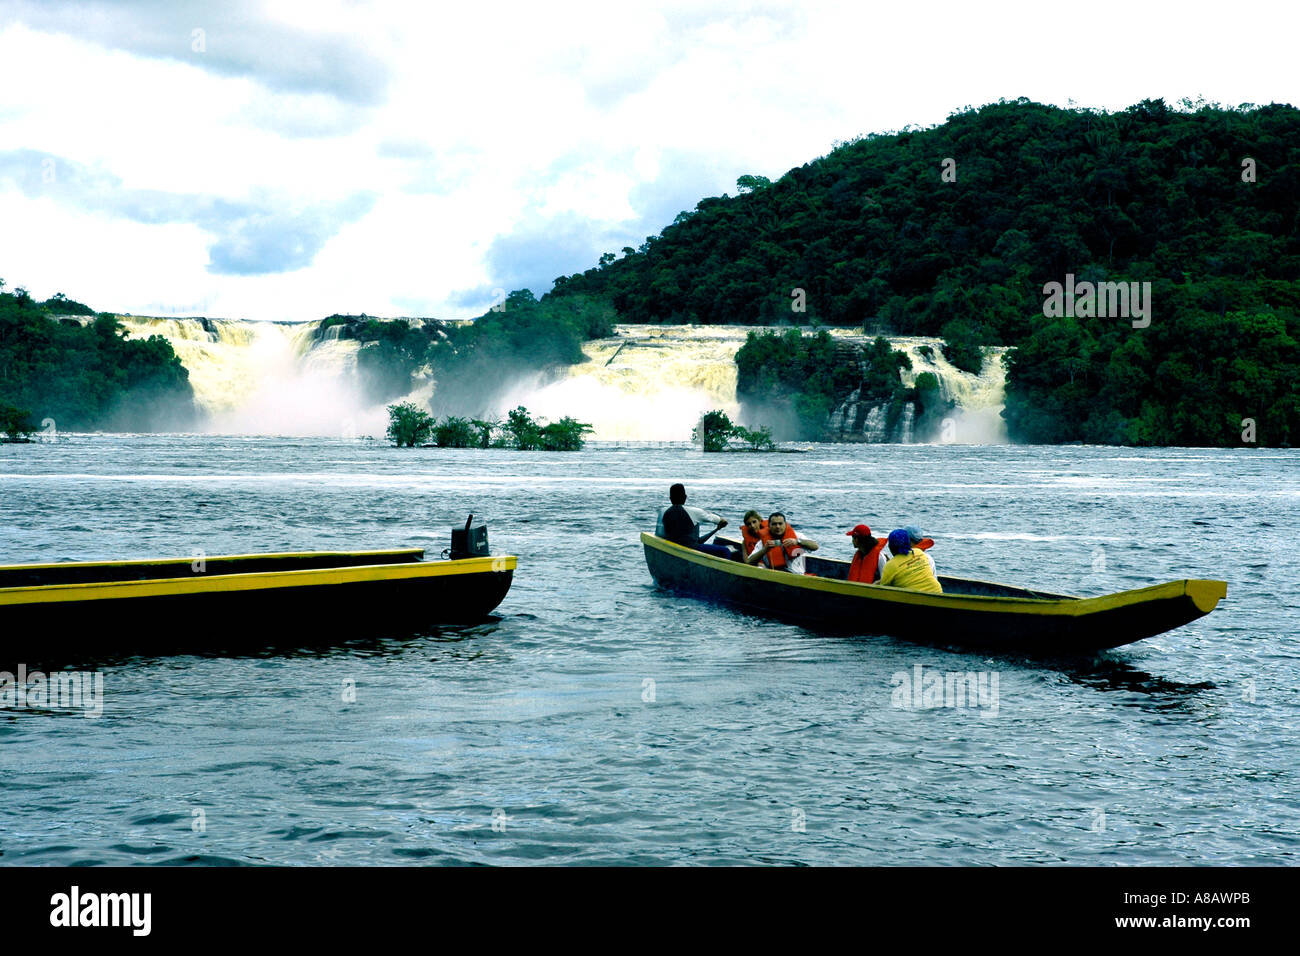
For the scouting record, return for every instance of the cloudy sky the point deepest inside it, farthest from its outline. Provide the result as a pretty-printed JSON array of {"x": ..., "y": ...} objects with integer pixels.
[{"x": 287, "y": 160}]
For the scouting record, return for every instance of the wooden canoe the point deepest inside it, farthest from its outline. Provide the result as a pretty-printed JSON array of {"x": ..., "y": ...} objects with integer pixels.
[
  {"x": 232, "y": 597},
  {"x": 976, "y": 614}
]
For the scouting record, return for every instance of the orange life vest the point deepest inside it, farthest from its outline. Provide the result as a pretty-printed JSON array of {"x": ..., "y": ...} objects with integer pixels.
[
  {"x": 776, "y": 559},
  {"x": 751, "y": 542},
  {"x": 866, "y": 567}
]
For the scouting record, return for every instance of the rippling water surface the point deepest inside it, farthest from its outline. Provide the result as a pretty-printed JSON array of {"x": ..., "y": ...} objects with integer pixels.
[{"x": 598, "y": 720}]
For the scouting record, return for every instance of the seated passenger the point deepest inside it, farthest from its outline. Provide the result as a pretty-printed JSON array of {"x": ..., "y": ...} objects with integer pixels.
[
  {"x": 782, "y": 549},
  {"x": 869, "y": 556},
  {"x": 918, "y": 539},
  {"x": 909, "y": 567},
  {"x": 751, "y": 532},
  {"x": 678, "y": 525}
]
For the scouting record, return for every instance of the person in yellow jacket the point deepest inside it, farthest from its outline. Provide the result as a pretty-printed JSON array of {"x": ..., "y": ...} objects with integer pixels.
[{"x": 908, "y": 568}]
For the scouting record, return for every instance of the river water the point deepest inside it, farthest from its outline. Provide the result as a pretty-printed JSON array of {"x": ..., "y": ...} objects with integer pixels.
[{"x": 598, "y": 720}]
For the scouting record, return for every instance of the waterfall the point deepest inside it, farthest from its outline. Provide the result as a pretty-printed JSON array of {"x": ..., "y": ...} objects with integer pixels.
[
  {"x": 905, "y": 427},
  {"x": 841, "y": 420},
  {"x": 874, "y": 427},
  {"x": 975, "y": 419},
  {"x": 642, "y": 383},
  {"x": 270, "y": 378},
  {"x": 645, "y": 383}
]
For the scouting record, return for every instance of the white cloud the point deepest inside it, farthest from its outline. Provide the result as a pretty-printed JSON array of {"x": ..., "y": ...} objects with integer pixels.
[
  {"x": 481, "y": 128},
  {"x": 110, "y": 264}
]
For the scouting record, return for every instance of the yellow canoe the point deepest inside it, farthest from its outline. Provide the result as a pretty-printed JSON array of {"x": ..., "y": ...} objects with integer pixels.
[
  {"x": 969, "y": 613},
  {"x": 172, "y": 600}
]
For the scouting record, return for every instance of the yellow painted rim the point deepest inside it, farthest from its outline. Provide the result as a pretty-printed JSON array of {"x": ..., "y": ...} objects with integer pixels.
[
  {"x": 213, "y": 583},
  {"x": 1205, "y": 594},
  {"x": 136, "y": 562}
]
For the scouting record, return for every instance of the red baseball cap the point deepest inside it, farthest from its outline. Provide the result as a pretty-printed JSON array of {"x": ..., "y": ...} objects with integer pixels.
[{"x": 860, "y": 529}]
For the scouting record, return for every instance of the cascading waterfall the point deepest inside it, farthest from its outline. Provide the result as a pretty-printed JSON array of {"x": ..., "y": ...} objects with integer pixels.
[
  {"x": 905, "y": 427},
  {"x": 645, "y": 383},
  {"x": 975, "y": 419},
  {"x": 271, "y": 378},
  {"x": 874, "y": 428}
]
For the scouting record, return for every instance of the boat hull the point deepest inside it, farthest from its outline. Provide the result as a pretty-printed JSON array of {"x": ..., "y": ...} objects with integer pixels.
[
  {"x": 253, "y": 600},
  {"x": 985, "y": 616}
]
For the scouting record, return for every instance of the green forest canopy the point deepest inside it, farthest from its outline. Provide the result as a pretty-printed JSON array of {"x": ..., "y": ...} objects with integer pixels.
[
  {"x": 88, "y": 377},
  {"x": 1203, "y": 202}
]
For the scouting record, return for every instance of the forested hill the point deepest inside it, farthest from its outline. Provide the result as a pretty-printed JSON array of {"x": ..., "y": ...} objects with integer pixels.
[
  {"x": 955, "y": 230},
  {"x": 85, "y": 377},
  {"x": 872, "y": 230}
]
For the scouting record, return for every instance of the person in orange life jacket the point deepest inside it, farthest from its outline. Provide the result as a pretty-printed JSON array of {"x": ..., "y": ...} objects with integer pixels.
[
  {"x": 751, "y": 532},
  {"x": 869, "y": 556},
  {"x": 753, "y": 527},
  {"x": 782, "y": 549}
]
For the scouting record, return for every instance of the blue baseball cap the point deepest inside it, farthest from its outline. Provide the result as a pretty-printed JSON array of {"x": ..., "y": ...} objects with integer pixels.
[
  {"x": 899, "y": 542},
  {"x": 915, "y": 534}
]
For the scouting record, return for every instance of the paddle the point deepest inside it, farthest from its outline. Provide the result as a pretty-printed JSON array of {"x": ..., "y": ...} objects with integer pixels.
[{"x": 712, "y": 533}]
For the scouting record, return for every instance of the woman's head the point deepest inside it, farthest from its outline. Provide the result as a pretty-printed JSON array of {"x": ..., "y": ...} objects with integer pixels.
[{"x": 753, "y": 521}]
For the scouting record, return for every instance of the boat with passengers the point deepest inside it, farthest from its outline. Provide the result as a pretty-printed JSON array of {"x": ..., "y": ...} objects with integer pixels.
[{"x": 969, "y": 613}]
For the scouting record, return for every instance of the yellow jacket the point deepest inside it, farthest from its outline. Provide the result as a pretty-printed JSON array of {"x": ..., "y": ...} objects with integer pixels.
[{"x": 912, "y": 571}]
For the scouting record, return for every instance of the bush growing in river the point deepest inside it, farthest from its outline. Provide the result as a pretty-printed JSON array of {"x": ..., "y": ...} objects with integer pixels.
[
  {"x": 568, "y": 434},
  {"x": 713, "y": 431},
  {"x": 758, "y": 439},
  {"x": 15, "y": 423},
  {"x": 408, "y": 425},
  {"x": 484, "y": 430},
  {"x": 522, "y": 432},
  {"x": 453, "y": 432},
  {"x": 716, "y": 432}
]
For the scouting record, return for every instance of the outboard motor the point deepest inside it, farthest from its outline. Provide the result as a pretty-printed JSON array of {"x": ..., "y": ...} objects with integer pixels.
[{"x": 470, "y": 541}]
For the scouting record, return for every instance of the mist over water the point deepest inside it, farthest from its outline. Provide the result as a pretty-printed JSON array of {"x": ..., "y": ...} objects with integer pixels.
[{"x": 1186, "y": 742}]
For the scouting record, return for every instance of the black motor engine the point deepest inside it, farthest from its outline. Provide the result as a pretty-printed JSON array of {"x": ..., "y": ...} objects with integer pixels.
[{"x": 470, "y": 541}]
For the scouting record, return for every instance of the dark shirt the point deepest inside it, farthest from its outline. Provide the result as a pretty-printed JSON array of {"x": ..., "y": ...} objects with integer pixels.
[{"x": 679, "y": 527}]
